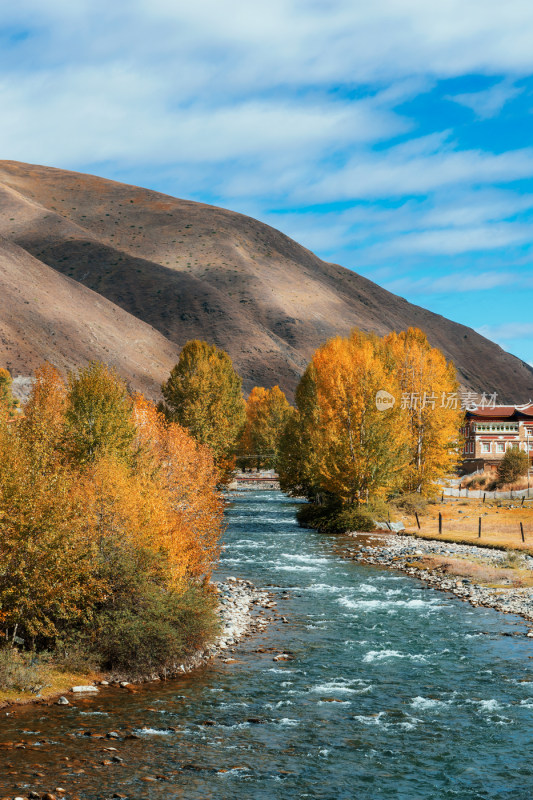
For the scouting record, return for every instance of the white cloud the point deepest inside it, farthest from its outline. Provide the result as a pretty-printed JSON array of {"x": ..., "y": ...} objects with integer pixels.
[
  {"x": 490, "y": 102},
  {"x": 295, "y": 41},
  {"x": 403, "y": 171},
  {"x": 451, "y": 283},
  {"x": 450, "y": 241},
  {"x": 507, "y": 330},
  {"x": 83, "y": 116}
]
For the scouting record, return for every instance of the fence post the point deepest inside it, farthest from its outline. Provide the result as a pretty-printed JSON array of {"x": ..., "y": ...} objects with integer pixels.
[
  {"x": 442, "y": 498},
  {"x": 440, "y": 522},
  {"x": 522, "y": 531},
  {"x": 479, "y": 529},
  {"x": 417, "y": 520},
  {"x": 484, "y": 495},
  {"x": 522, "y": 503}
]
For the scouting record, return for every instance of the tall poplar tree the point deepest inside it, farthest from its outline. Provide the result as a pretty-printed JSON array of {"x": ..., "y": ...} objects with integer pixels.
[
  {"x": 362, "y": 449},
  {"x": 299, "y": 448},
  {"x": 98, "y": 414},
  {"x": 204, "y": 395},
  {"x": 267, "y": 414},
  {"x": 429, "y": 387}
]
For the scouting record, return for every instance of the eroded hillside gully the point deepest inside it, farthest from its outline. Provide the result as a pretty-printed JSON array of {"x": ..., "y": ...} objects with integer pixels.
[{"x": 389, "y": 690}]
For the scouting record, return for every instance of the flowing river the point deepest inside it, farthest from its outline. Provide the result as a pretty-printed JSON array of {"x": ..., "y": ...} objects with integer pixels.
[{"x": 394, "y": 691}]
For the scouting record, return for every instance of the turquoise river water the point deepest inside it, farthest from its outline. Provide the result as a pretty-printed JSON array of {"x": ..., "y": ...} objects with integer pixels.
[{"x": 394, "y": 691}]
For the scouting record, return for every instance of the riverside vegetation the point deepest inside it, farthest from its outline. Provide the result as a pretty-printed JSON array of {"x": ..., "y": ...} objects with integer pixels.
[
  {"x": 110, "y": 519},
  {"x": 111, "y": 508},
  {"x": 111, "y": 513},
  {"x": 348, "y": 457}
]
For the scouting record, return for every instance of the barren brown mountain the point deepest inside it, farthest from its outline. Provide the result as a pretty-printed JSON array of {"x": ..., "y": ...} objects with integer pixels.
[
  {"x": 190, "y": 270},
  {"x": 46, "y": 316}
]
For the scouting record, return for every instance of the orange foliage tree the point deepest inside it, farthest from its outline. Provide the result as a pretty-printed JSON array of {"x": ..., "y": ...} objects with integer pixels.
[
  {"x": 8, "y": 404},
  {"x": 429, "y": 386},
  {"x": 362, "y": 449},
  {"x": 100, "y": 497},
  {"x": 267, "y": 414},
  {"x": 344, "y": 443},
  {"x": 184, "y": 476}
]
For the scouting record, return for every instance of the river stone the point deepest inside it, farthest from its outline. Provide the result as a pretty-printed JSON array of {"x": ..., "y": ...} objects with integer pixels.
[
  {"x": 82, "y": 689},
  {"x": 62, "y": 701}
]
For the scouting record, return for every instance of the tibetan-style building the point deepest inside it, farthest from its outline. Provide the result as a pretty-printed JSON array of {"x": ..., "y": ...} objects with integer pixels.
[{"x": 490, "y": 431}]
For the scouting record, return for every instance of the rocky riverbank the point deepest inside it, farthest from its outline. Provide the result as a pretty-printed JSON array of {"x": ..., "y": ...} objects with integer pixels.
[
  {"x": 453, "y": 568},
  {"x": 243, "y": 610}
]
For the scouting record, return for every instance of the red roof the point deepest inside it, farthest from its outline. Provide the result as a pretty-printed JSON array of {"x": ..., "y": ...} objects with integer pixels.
[{"x": 501, "y": 412}]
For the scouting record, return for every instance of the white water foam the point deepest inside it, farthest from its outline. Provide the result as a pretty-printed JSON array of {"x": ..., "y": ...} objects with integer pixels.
[
  {"x": 488, "y": 705},
  {"x": 341, "y": 686},
  {"x": 389, "y": 605},
  {"x": 425, "y": 703},
  {"x": 304, "y": 558},
  {"x": 325, "y": 587},
  {"x": 153, "y": 732},
  {"x": 382, "y": 655}
]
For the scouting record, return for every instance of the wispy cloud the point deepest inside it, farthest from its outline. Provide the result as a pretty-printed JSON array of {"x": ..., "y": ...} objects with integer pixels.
[
  {"x": 490, "y": 102},
  {"x": 451, "y": 241},
  {"x": 454, "y": 282},
  {"x": 401, "y": 171},
  {"x": 507, "y": 331}
]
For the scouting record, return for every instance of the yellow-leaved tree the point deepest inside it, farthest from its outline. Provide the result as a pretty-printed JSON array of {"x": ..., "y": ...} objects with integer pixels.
[
  {"x": 429, "y": 386},
  {"x": 110, "y": 520},
  {"x": 8, "y": 403},
  {"x": 204, "y": 395},
  {"x": 183, "y": 475},
  {"x": 298, "y": 460},
  {"x": 362, "y": 449},
  {"x": 267, "y": 414}
]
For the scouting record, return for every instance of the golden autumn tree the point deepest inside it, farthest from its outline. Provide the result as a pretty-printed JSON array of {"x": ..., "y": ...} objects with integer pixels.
[
  {"x": 47, "y": 579},
  {"x": 204, "y": 395},
  {"x": 8, "y": 404},
  {"x": 183, "y": 474},
  {"x": 362, "y": 450},
  {"x": 98, "y": 414},
  {"x": 109, "y": 523},
  {"x": 267, "y": 414},
  {"x": 429, "y": 386},
  {"x": 297, "y": 466},
  {"x": 43, "y": 424}
]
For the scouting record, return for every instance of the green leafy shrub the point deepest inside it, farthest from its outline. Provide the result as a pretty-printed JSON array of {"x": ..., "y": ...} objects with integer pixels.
[
  {"x": 335, "y": 518},
  {"x": 378, "y": 508},
  {"x": 512, "y": 560},
  {"x": 155, "y": 631},
  {"x": 354, "y": 519},
  {"x": 412, "y": 502},
  {"x": 513, "y": 465},
  {"x": 310, "y": 515}
]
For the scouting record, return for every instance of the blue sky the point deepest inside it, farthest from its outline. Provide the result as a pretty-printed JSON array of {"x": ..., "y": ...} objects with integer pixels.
[{"x": 393, "y": 137}]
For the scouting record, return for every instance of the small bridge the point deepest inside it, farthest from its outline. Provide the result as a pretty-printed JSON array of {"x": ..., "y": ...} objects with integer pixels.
[{"x": 255, "y": 480}]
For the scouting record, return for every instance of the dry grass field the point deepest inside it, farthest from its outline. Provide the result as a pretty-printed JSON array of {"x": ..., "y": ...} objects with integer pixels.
[{"x": 500, "y": 523}]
